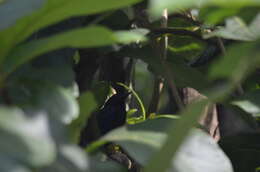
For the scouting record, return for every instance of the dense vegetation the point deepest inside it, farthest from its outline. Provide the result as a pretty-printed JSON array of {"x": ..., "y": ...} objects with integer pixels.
[{"x": 129, "y": 85}]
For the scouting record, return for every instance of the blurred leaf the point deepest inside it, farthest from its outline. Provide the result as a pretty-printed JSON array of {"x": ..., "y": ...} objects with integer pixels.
[
  {"x": 250, "y": 102},
  {"x": 235, "y": 29},
  {"x": 57, "y": 102},
  {"x": 157, "y": 6},
  {"x": 140, "y": 140},
  {"x": 93, "y": 36},
  {"x": 198, "y": 153},
  {"x": 176, "y": 135},
  {"x": 126, "y": 37},
  {"x": 97, "y": 165},
  {"x": 10, "y": 165},
  {"x": 51, "y": 13},
  {"x": 87, "y": 104},
  {"x": 239, "y": 61},
  {"x": 12, "y": 10},
  {"x": 214, "y": 15},
  {"x": 21, "y": 137},
  {"x": 70, "y": 158}
]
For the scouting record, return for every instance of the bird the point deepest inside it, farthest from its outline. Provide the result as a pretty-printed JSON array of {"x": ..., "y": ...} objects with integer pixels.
[{"x": 113, "y": 113}]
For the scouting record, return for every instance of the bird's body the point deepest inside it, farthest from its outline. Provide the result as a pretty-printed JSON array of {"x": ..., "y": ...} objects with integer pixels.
[{"x": 113, "y": 114}]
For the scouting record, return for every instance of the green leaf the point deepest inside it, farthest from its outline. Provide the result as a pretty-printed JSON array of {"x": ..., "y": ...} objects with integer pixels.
[
  {"x": 70, "y": 158},
  {"x": 57, "y": 102},
  {"x": 51, "y": 13},
  {"x": 199, "y": 151},
  {"x": 239, "y": 61},
  {"x": 12, "y": 10},
  {"x": 10, "y": 165},
  {"x": 177, "y": 133},
  {"x": 26, "y": 139},
  {"x": 140, "y": 140},
  {"x": 235, "y": 29},
  {"x": 157, "y": 6},
  {"x": 92, "y": 36},
  {"x": 250, "y": 102}
]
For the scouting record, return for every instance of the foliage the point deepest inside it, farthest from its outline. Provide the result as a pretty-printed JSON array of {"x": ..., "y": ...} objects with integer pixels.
[{"x": 61, "y": 60}]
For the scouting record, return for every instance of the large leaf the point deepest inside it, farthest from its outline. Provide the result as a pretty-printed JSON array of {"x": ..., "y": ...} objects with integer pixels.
[
  {"x": 92, "y": 36},
  {"x": 249, "y": 102},
  {"x": 12, "y": 10},
  {"x": 157, "y": 6},
  {"x": 199, "y": 153},
  {"x": 236, "y": 29},
  {"x": 26, "y": 139},
  {"x": 10, "y": 165},
  {"x": 177, "y": 133},
  {"x": 240, "y": 60},
  {"x": 35, "y": 95},
  {"x": 57, "y": 102},
  {"x": 70, "y": 158},
  {"x": 51, "y": 13}
]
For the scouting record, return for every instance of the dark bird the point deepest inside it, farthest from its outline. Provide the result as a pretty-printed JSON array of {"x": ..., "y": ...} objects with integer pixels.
[{"x": 113, "y": 114}]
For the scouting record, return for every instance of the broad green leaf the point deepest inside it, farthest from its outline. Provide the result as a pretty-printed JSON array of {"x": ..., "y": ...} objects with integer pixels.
[
  {"x": 235, "y": 29},
  {"x": 141, "y": 140},
  {"x": 57, "y": 102},
  {"x": 70, "y": 158},
  {"x": 214, "y": 15},
  {"x": 239, "y": 61},
  {"x": 92, "y": 36},
  {"x": 51, "y": 13},
  {"x": 198, "y": 153},
  {"x": 157, "y": 6},
  {"x": 176, "y": 135},
  {"x": 26, "y": 139},
  {"x": 250, "y": 102},
  {"x": 12, "y": 10},
  {"x": 11, "y": 165}
]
